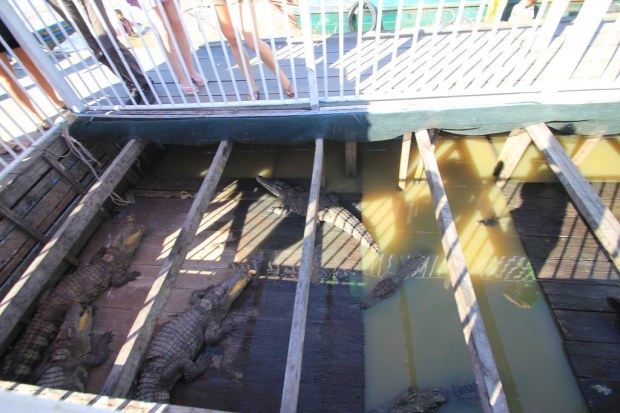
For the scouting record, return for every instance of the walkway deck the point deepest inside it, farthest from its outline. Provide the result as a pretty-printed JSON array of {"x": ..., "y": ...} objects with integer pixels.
[
  {"x": 457, "y": 81},
  {"x": 578, "y": 279}
]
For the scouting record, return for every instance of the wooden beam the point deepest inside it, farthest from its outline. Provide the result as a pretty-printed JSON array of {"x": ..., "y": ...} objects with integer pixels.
[
  {"x": 73, "y": 182},
  {"x": 290, "y": 391},
  {"x": 31, "y": 230},
  {"x": 130, "y": 355},
  {"x": 30, "y": 284},
  {"x": 404, "y": 160},
  {"x": 599, "y": 218},
  {"x": 350, "y": 158},
  {"x": 63, "y": 172},
  {"x": 485, "y": 370},
  {"x": 509, "y": 157},
  {"x": 584, "y": 150}
]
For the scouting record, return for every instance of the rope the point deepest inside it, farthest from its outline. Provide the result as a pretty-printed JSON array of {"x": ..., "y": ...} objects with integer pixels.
[{"x": 89, "y": 160}]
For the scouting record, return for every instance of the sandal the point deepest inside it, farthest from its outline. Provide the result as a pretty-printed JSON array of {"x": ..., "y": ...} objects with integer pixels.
[
  {"x": 198, "y": 81},
  {"x": 189, "y": 90},
  {"x": 289, "y": 91},
  {"x": 44, "y": 126}
]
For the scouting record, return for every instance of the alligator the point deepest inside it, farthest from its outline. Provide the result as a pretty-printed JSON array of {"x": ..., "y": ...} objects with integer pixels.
[
  {"x": 72, "y": 354},
  {"x": 390, "y": 284},
  {"x": 415, "y": 401},
  {"x": 295, "y": 199},
  {"x": 108, "y": 267},
  {"x": 177, "y": 350}
]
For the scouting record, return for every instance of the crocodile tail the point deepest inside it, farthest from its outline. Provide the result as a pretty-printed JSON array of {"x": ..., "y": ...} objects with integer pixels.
[
  {"x": 341, "y": 218},
  {"x": 150, "y": 388},
  {"x": 27, "y": 353}
]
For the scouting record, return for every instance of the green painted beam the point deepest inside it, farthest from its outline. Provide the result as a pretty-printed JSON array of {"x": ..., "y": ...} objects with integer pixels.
[{"x": 579, "y": 119}]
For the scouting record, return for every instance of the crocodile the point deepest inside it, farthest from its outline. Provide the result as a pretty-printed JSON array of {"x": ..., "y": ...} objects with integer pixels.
[
  {"x": 108, "y": 267},
  {"x": 295, "y": 199},
  {"x": 415, "y": 401},
  {"x": 390, "y": 284},
  {"x": 72, "y": 354},
  {"x": 177, "y": 350}
]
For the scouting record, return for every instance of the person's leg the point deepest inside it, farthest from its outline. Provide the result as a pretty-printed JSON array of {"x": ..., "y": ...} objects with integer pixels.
[
  {"x": 99, "y": 33},
  {"x": 158, "y": 20},
  {"x": 31, "y": 67},
  {"x": 238, "y": 51},
  {"x": 176, "y": 24},
  {"x": 264, "y": 51},
  {"x": 16, "y": 91}
]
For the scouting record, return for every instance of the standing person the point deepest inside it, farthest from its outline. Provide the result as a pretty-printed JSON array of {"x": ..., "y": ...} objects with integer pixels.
[
  {"x": 94, "y": 10},
  {"x": 188, "y": 78},
  {"x": 13, "y": 87},
  {"x": 263, "y": 50}
]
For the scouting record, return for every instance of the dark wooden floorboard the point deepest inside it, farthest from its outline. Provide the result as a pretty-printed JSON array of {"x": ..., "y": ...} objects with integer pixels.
[
  {"x": 248, "y": 366},
  {"x": 579, "y": 280},
  {"x": 249, "y": 370}
]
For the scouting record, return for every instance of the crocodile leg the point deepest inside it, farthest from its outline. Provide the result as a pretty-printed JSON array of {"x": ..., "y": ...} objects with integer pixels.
[
  {"x": 185, "y": 367},
  {"x": 118, "y": 280},
  {"x": 100, "y": 351}
]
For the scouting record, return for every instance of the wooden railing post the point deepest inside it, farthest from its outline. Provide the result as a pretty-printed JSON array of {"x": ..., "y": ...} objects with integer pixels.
[
  {"x": 577, "y": 42},
  {"x": 306, "y": 27}
]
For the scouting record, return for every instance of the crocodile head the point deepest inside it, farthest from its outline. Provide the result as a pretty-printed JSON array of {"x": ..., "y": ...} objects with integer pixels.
[
  {"x": 127, "y": 241},
  {"x": 278, "y": 188},
  {"x": 219, "y": 298},
  {"x": 74, "y": 333}
]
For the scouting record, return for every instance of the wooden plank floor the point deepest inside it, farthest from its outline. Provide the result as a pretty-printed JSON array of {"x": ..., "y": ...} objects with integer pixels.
[
  {"x": 248, "y": 369},
  {"x": 443, "y": 64},
  {"x": 579, "y": 281}
]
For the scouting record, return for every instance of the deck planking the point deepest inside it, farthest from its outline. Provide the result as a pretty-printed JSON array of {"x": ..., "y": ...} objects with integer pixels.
[
  {"x": 418, "y": 65},
  {"x": 579, "y": 280},
  {"x": 238, "y": 226}
]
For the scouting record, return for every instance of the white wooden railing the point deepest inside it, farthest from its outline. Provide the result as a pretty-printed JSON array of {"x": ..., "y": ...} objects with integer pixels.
[{"x": 405, "y": 50}]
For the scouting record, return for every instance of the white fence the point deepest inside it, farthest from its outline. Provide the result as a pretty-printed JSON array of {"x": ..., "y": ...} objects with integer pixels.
[{"x": 402, "y": 50}]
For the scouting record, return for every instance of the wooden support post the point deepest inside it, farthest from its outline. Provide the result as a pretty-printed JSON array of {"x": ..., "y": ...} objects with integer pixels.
[
  {"x": 30, "y": 284},
  {"x": 585, "y": 149},
  {"x": 290, "y": 391},
  {"x": 350, "y": 158},
  {"x": 404, "y": 160},
  {"x": 130, "y": 355},
  {"x": 599, "y": 218},
  {"x": 485, "y": 370},
  {"x": 511, "y": 154}
]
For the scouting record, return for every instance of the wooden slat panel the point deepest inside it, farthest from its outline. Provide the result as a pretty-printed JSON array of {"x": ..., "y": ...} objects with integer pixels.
[
  {"x": 589, "y": 326},
  {"x": 581, "y": 296},
  {"x": 29, "y": 286},
  {"x": 599, "y": 360},
  {"x": 597, "y": 215}
]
